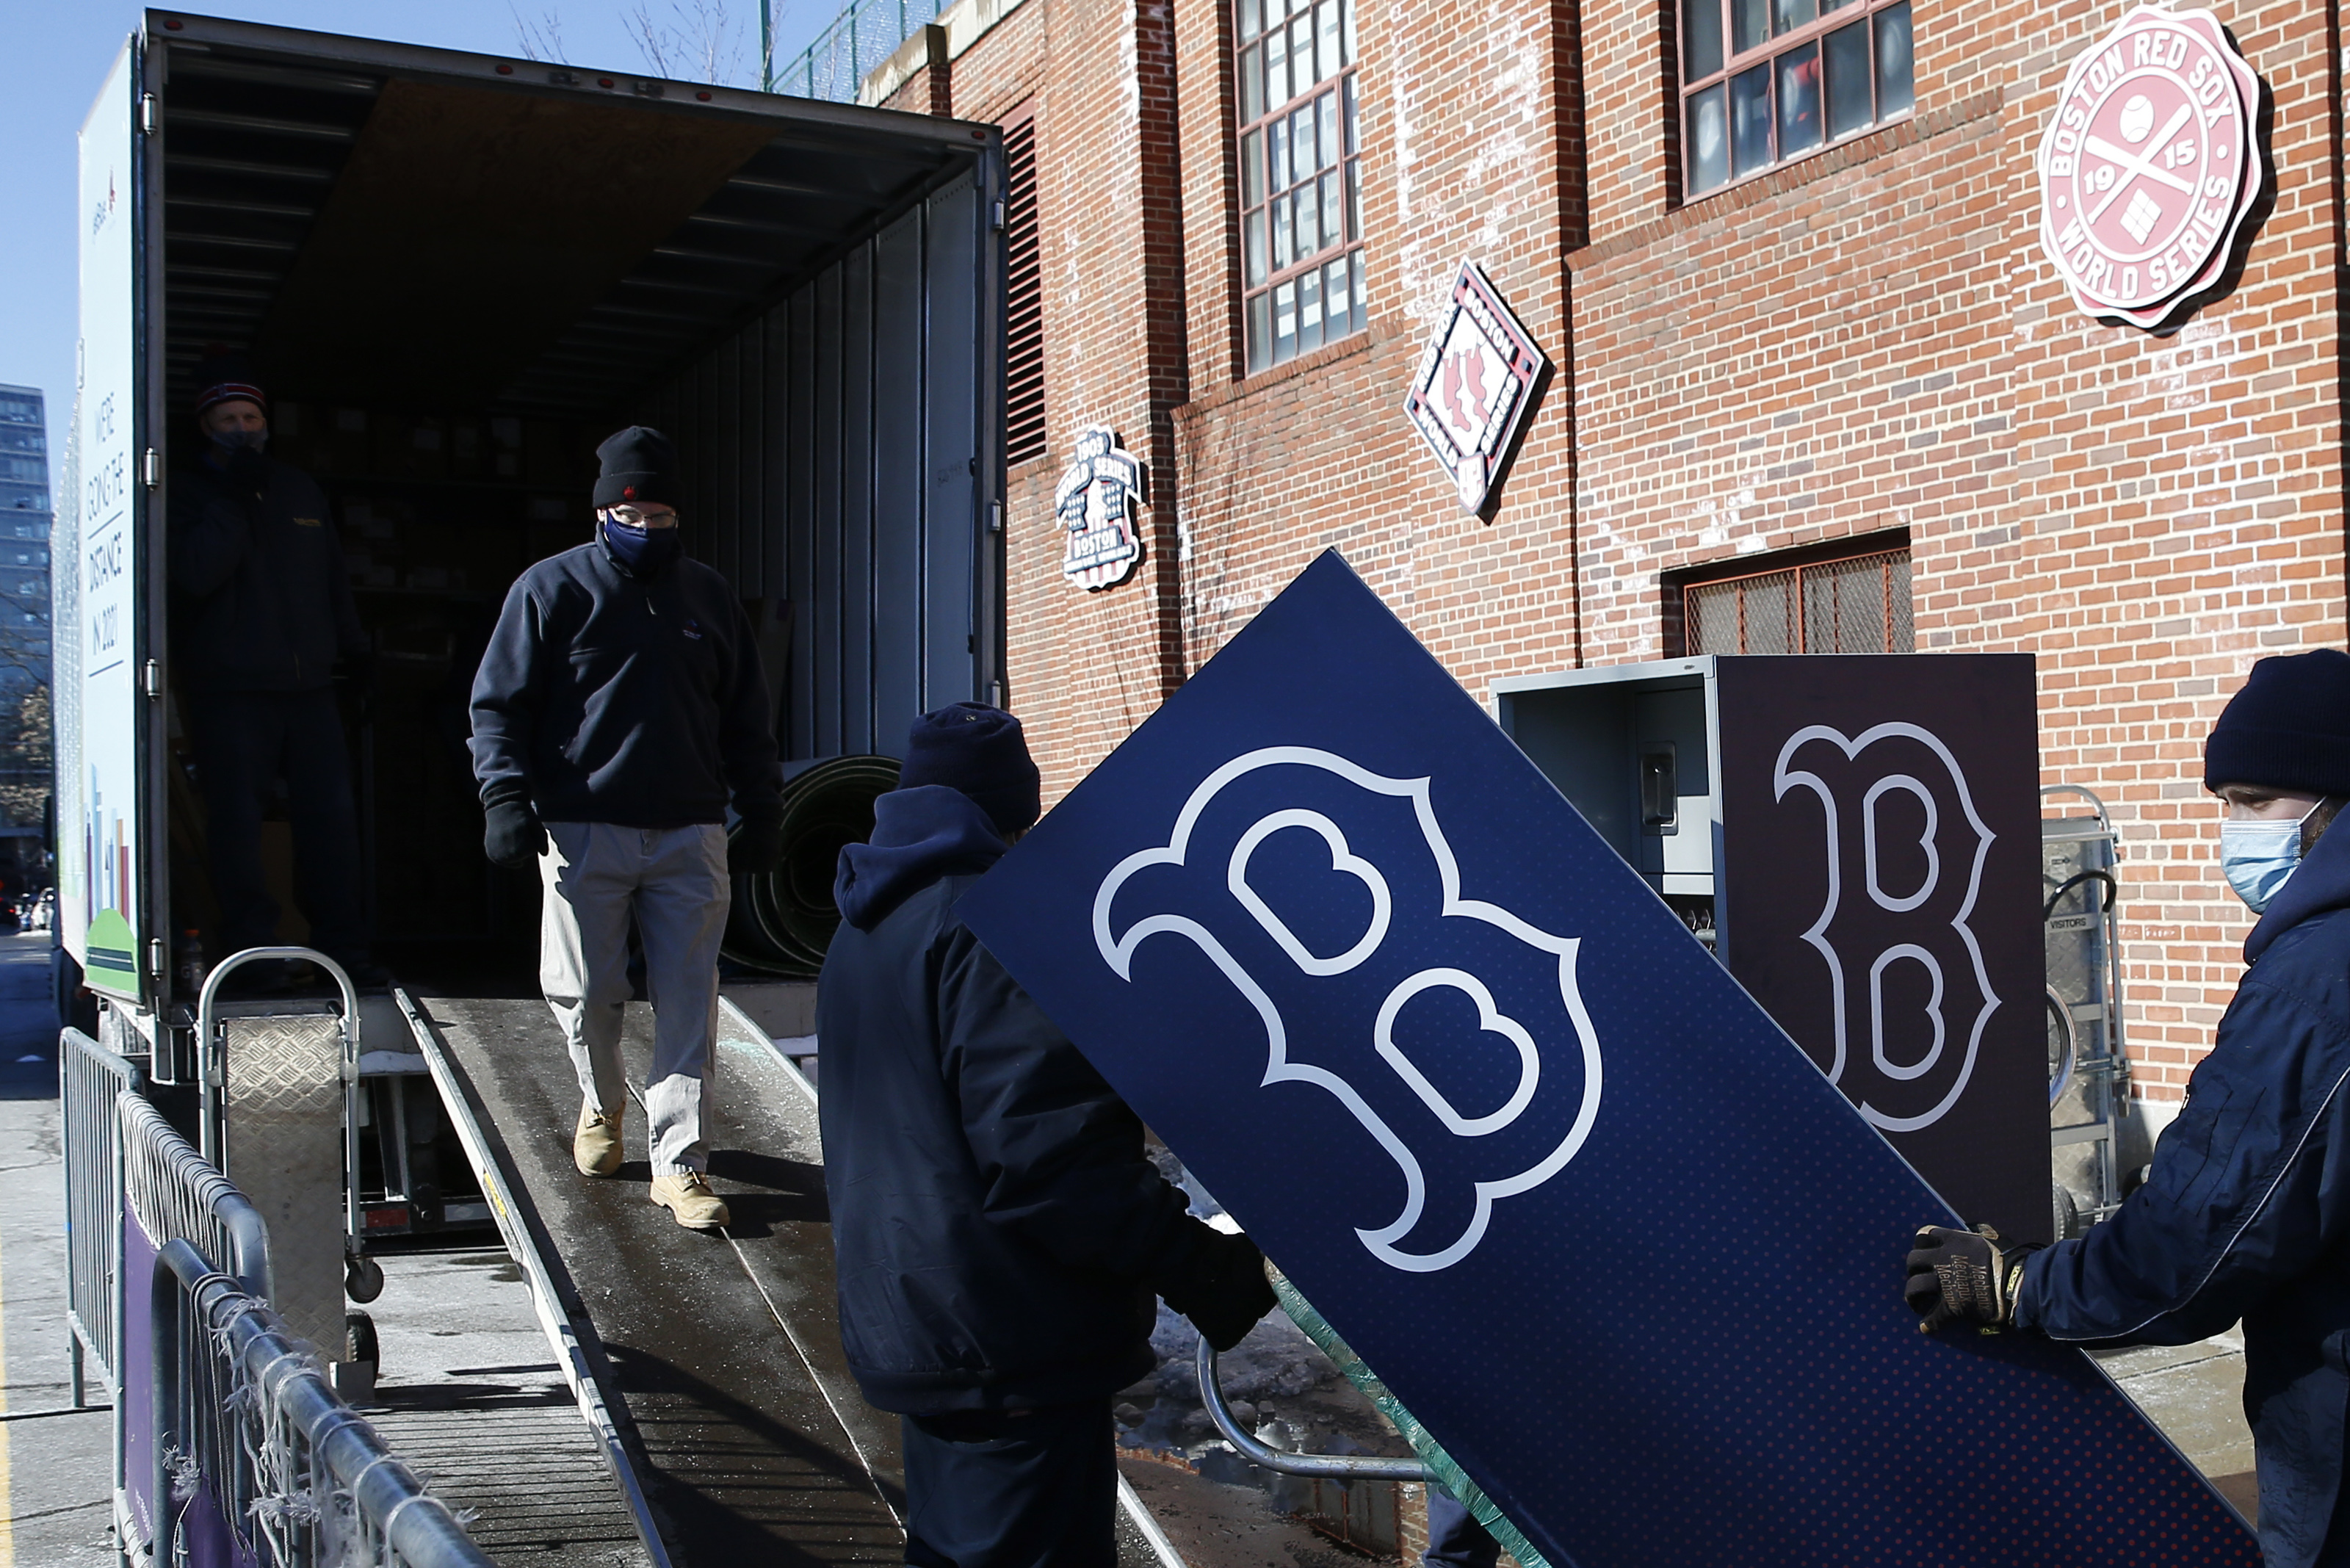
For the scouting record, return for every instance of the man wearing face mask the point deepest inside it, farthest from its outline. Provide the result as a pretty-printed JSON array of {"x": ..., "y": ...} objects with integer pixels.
[
  {"x": 261, "y": 612},
  {"x": 618, "y": 711},
  {"x": 2246, "y": 1212}
]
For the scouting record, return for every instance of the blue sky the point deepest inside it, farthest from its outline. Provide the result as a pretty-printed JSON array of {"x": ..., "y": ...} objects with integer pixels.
[{"x": 58, "y": 51}]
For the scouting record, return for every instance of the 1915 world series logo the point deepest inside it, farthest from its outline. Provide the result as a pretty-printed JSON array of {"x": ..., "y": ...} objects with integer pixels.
[{"x": 2150, "y": 167}]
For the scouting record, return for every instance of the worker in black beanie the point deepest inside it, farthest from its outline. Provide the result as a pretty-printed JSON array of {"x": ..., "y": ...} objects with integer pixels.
[
  {"x": 2245, "y": 1213},
  {"x": 998, "y": 1231},
  {"x": 619, "y": 712},
  {"x": 263, "y": 616}
]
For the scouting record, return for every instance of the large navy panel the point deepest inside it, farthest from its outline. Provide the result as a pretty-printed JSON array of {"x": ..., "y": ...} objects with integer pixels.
[{"x": 1584, "y": 1208}]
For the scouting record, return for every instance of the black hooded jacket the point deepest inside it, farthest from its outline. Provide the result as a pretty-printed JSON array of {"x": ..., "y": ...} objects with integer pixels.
[
  {"x": 2246, "y": 1214},
  {"x": 998, "y": 1227},
  {"x": 264, "y": 602}
]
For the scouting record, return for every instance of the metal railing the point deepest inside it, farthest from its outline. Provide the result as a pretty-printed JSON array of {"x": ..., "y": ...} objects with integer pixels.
[
  {"x": 1326, "y": 1467},
  {"x": 248, "y": 1430},
  {"x": 865, "y": 34},
  {"x": 90, "y": 1079},
  {"x": 177, "y": 1197}
]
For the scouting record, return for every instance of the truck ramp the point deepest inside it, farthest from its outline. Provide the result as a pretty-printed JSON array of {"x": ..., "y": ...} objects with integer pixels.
[
  {"x": 715, "y": 1355},
  {"x": 708, "y": 1363}
]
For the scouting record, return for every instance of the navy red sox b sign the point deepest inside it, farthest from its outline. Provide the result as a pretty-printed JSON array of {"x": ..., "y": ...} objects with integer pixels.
[{"x": 2151, "y": 168}]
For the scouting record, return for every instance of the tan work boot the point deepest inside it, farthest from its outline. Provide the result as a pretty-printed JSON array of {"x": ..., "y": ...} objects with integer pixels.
[
  {"x": 687, "y": 1195},
  {"x": 596, "y": 1146}
]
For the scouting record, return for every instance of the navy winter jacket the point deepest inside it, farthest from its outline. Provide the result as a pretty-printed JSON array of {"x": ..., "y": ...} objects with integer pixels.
[
  {"x": 2246, "y": 1214},
  {"x": 997, "y": 1226},
  {"x": 606, "y": 697},
  {"x": 265, "y": 604}
]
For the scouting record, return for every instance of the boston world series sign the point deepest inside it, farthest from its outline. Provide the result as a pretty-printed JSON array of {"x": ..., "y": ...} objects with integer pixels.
[
  {"x": 1476, "y": 385},
  {"x": 2151, "y": 168},
  {"x": 1578, "y": 1202}
]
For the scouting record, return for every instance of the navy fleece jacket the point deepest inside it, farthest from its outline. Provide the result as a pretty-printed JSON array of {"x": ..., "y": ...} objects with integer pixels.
[
  {"x": 608, "y": 697},
  {"x": 265, "y": 604},
  {"x": 998, "y": 1229},
  {"x": 2246, "y": 1214}
]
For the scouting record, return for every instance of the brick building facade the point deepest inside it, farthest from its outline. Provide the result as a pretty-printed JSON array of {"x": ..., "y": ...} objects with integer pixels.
[{"x": 1861, "y": 347}]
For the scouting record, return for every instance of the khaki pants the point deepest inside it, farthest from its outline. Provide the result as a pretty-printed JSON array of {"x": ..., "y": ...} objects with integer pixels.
[{"x": 673, "y": 879}]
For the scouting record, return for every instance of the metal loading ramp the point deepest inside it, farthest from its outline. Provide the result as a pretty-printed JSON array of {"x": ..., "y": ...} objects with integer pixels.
[
  {"x": 715, "y": 1355},
  {"x": 709, "y": 1365}
]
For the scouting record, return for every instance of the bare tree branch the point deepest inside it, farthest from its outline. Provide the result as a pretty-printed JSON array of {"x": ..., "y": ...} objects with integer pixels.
[{"x": 539, "y": 38}]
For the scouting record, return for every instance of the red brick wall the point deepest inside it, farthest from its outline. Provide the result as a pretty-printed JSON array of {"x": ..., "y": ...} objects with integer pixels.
[
  {"x": 1865, "y": 340},
  {"x": 1874, "y": 339}
]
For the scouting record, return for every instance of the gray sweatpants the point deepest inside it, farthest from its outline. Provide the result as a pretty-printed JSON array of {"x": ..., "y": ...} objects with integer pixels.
[{"x": 674, "y": 880}]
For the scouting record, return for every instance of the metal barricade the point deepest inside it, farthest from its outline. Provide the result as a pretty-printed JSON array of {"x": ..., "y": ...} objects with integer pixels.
[
  {"x": 247, "y": 1453},
  {"x": 252, "y": 1438},
  {"x": 91, "y": 1078},
  {"x": 177, "y": 1196}
]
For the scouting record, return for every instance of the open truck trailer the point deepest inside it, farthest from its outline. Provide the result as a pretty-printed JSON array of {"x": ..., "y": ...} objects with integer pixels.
[{"x": 454, "y": 274}]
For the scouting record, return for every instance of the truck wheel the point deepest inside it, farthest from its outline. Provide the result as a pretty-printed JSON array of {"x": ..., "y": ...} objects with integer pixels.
[{"x": 362, "y": 1278}]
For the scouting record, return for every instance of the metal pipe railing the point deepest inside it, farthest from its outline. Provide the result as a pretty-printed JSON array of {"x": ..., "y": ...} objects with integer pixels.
[
  {"x": 248, "y": 1423},
  {"x": 1325, "y": 1466}
]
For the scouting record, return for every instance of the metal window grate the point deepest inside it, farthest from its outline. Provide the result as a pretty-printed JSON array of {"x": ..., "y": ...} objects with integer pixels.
[
  {"x": 1024, "y": 335},
  {"x": 1859, "y": 605}
]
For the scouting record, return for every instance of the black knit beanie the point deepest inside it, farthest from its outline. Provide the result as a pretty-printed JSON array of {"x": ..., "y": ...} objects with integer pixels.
[
  {"x": 982, "y": 751},
  {"x": 2288, "y": 728},
  {"x": 639, "y": 468}
]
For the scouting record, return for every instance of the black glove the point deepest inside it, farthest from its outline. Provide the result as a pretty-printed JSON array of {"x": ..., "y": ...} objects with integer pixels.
[
  {"x": 1964, "y": 1276},
  {"x": 1220, "y": 1287},
  {"x": 755, "y": 846},
  {"x": 512, "y": 834}
]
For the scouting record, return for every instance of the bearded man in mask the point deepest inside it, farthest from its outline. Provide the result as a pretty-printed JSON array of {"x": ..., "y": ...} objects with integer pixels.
[
  {"x": 262, "y": 613},
  {"x": 2245, "y": 1214},
  {"x": 618, "y": 711}
]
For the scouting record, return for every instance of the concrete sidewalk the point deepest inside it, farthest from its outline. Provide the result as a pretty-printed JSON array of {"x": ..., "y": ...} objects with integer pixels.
[{"x": 57, "y": 1471}]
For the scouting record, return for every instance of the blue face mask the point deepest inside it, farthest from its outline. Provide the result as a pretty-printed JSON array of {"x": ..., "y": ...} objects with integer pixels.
[
  {"x": 2257, "y": 858},
  {"x": 644, "y": 551}
]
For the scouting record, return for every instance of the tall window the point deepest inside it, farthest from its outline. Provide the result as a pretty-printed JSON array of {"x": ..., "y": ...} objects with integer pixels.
[
  {"x": 1024, "y": 331},
  {"x": 1858, "y": 604},
  {"x": 1301, "y": 183},
  {"x": 1766, "y": 81}
]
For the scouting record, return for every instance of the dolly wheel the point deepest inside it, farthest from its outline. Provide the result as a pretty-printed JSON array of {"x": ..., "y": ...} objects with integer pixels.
[
  {"x": 359, "y": 1340},
  {"x": 362, "y": 1277}
]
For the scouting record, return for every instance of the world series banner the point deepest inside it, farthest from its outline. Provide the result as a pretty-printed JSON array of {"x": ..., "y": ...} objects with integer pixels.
[{"x": 1569, "y": 1192}]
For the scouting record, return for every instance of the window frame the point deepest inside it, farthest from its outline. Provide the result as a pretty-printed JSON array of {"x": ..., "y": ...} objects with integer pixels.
[
  {"x": 1261, "y": 145},
  {"x": 1884, "y": 546},
  {"x": 1736, "y": 63}
]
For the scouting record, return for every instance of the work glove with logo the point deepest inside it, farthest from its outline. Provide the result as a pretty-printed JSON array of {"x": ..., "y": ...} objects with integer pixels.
[
  {"x": 755, "y": 846},
  {"x": 1964, "y": 1276},
  {"x": 1220, "y": 1287},
  {"x": 512, "y": 834}
]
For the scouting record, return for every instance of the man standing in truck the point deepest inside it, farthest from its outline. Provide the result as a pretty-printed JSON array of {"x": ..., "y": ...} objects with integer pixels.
[
  {"x": 618, "y": 711},
  {"x": 265, "y": 611}
]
